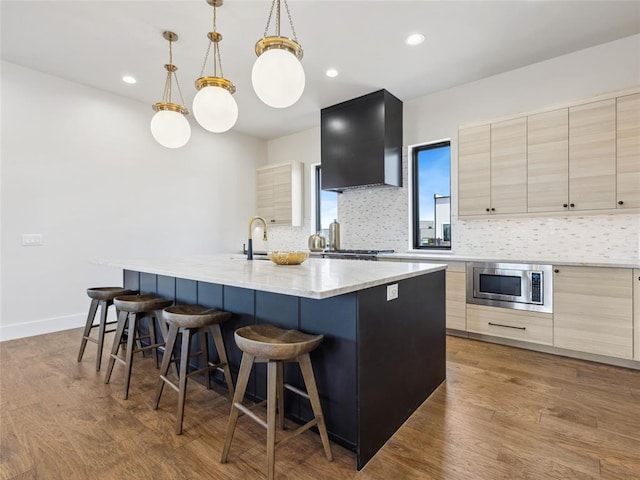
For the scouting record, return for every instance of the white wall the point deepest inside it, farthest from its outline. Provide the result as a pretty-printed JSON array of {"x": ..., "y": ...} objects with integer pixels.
[
  {"x": 378, "y": 217},
  {"x": 80, "y": 167}
]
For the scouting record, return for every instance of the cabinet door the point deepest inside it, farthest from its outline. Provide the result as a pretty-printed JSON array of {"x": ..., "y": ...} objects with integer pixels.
[
  {"x": 474, "y": 170},
  {"x": 264, "y": 194},
  {"x": 456, "y": 300},
  {"x": 548, "y": 161},
  {"x": 636, "y": 313},
  {"x": 592, "y": 155},
  {"x": 593, "y": 310},
  {"x": 628, "y": 151},
  {"x": 509, "y": 166},
  {"x": 282, "y": 195}
]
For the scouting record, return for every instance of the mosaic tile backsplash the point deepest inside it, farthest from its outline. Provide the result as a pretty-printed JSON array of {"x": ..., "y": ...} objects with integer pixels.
[{"x": 378, "y": 218}]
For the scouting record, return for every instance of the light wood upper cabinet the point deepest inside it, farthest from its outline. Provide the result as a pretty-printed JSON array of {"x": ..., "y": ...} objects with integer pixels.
[
  {"x": 592, "y": 156},
  {"x": 474, "y": 170},
  {"x": 636, "y": 313},
  {"x": 279, "y": 194},
  {"x": 593, "y": 310},
  {"x": 628, "y": 151},
  {"x": 548, "y": 161},
  {"x": 509, "y": 166}
]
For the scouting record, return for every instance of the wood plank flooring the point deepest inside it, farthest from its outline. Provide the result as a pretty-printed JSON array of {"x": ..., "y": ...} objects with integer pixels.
[{"x": 503, "y": 413}]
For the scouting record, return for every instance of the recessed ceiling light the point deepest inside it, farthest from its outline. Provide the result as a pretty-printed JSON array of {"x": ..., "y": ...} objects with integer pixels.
[
  {"x": 129, "y": 79},
  {"x": 332, "y": 72},
  {"x": 415, "y": 39}
]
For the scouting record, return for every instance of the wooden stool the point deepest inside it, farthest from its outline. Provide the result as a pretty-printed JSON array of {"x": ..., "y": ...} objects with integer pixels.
[
  {"x": 132, "y": 309},
  {"x": 100, "y": 297},
  {"x": 274, "y": 345},
  {"x": 187, "y": 320}
]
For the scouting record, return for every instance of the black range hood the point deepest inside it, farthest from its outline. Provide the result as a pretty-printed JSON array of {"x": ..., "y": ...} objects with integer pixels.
[{"x": 361, "y": 142}]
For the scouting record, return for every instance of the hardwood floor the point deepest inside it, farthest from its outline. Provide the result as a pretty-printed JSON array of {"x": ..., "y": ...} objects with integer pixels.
[{"x": 503, "y": 413}]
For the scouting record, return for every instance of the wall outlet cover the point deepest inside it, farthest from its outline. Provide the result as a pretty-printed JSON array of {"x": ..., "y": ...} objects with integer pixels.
[{"x": 392, "y": 292}]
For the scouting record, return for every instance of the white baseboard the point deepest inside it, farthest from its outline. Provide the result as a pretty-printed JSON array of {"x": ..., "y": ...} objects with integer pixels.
[{"x": 39, "y": 327}]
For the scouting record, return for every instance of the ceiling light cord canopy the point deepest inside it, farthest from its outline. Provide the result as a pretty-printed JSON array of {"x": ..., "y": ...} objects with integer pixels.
[
  {"x": 277, "y": 76},
  {"x": 169, "y": 126},
  {"x": 214, "y": 107}
]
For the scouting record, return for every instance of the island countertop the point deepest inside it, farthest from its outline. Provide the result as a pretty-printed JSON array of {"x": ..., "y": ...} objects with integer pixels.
[{"x": 315, "y": 278}]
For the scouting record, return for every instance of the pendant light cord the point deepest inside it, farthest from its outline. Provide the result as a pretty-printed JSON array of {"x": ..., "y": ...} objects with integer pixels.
[
  {"x": 217, "y": 61},
  {"x": 286, "y": 6}
]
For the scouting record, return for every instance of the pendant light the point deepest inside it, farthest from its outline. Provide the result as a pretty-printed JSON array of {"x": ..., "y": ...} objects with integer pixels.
[
  {"x": 169, "y": 125},
  {"x": 277, "y": 76},
  {"x": 214, "y": 107}
]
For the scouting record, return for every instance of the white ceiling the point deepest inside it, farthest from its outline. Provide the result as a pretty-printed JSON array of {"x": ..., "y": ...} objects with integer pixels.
[{"x": 96, "y": 42}]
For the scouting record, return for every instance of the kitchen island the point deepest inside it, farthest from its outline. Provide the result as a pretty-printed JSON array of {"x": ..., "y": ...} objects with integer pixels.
[{"x": 381, "y": 356}]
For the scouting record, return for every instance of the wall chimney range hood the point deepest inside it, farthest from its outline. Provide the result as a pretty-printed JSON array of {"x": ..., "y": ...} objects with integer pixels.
[{"x": 361, "y": 142}]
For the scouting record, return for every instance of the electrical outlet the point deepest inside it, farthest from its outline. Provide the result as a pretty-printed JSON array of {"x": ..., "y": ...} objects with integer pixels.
[
  {"x": 31, "y": 239},
  {"x": 392, "y": 292}
]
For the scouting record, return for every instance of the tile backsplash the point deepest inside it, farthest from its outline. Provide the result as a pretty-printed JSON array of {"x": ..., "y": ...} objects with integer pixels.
[
  {"x": 615, "y": 236},
  {"x": 378, "y": 218}
]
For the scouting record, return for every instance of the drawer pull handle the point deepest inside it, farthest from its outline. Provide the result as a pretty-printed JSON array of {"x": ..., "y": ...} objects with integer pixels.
[{"x": 506, "y": 326}]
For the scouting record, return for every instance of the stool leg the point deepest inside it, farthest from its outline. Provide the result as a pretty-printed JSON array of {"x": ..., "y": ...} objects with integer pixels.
[
  {"x": 312, "y": 390},
  {"x": 216, "y": 333},
  {"x": 151, "y": 325},
  {"x": 164, "y": 330},
  {"x": 204, "y": 347},
  {"x": 87, "y": 327},
  {"x": 280, "y": 394},
  {"x": 166, "y": 361},
  {"x": 128, "y": 363},
  {"x": 104, "y": 308},
  {"x": 243, "y": 379},
  {"x": 272, "y": 377},
  {"x": 117, "y": 340},
  {"x": 184, "y": 366}
]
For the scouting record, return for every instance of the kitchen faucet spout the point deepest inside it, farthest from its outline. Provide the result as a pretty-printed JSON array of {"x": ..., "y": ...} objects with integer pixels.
[{"x": 250, "y": 240}]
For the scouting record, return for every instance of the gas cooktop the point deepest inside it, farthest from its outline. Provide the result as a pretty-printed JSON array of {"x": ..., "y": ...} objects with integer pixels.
[
  {"x": 354, "y": 254},
  {"x": 360, "y": 252}
]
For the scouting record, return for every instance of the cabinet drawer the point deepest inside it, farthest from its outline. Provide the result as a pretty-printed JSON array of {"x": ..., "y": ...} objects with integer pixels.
[{"x": 507, "y": 323}]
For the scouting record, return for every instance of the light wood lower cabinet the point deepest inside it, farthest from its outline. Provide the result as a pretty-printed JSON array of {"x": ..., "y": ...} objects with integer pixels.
[
  {"x": 636, "y": 313},
  {"x": 456, "y": 296},
  {"x": 593, "y": 310},
  {"x": 533, "y": 327}
]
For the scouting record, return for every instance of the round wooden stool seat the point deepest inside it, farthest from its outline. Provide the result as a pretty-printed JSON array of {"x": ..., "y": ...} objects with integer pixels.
[
  {"x": 274, "y": 343},
  {"x": 193, "y": 316},
  {"x": 145, "y": 302},
  {"x": 107, "y": 293}
]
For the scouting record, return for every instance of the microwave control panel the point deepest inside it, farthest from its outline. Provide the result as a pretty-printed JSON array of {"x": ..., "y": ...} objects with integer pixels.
[{"x": 536, "y": 292}]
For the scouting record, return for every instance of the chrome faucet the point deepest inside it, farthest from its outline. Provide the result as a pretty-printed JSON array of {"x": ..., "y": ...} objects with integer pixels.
[{"x": 250, "y": 241}]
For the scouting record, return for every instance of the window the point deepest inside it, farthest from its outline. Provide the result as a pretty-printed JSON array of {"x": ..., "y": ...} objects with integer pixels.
[
  {"x": 326, "y": 205},
  {"x": 431, "y": 171}
]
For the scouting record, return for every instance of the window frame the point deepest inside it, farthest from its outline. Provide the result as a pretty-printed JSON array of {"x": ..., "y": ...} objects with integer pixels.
[{"x": 415, "y": 201}]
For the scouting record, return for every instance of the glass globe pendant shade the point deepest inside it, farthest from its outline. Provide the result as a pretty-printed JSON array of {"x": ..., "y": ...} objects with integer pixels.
[
  {"x": 170, "y": 129},
  {"x": 278, "y": 78},
  {"x": 215, "y": 109}
]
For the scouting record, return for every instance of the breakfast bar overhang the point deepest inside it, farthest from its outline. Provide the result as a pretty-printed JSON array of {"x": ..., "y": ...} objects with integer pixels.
[{"x": 380, "y": 359}]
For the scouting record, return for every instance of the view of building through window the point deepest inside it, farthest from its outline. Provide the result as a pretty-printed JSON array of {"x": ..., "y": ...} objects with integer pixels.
[
  {"x": 432, "y": 195},
  {"x": 326, "y": 206}
]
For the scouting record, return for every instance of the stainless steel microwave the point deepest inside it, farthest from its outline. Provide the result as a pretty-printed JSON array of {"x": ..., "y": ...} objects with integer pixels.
[{"x": 511, "y": 285}]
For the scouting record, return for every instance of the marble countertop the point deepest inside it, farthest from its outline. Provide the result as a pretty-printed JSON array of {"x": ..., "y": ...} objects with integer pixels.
[
  {"x": 447, "y": 257},
  {"x": 315, "y": 278}
]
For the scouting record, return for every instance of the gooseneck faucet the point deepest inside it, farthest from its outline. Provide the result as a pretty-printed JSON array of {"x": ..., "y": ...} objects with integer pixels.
[{"x": 250, "y": 241}]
